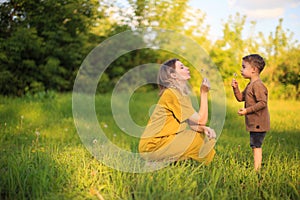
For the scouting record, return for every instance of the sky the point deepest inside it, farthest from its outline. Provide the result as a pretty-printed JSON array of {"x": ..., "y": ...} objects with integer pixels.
[{"x": 266, "y": 14}]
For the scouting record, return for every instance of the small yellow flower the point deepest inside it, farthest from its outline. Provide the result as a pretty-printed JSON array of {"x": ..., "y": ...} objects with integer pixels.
[
  {"x": 93, "y": 191},
  {"x": 93, "y": 173}
]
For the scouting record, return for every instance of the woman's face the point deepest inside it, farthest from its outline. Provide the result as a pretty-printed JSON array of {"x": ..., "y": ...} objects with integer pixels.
[{"x": 183, "y": 73}]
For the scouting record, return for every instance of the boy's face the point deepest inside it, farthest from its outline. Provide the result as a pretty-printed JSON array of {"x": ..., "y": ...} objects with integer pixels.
[{"x": 247, "y": 70}]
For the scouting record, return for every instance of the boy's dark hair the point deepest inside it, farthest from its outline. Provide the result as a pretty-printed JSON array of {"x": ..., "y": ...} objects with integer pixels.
[{"x": 255, "y": 60}]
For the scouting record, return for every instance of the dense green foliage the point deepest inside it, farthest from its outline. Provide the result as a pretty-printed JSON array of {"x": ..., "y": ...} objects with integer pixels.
[
  {"x": 42, "y": 157},
  {"x": 43, "y": 43}
]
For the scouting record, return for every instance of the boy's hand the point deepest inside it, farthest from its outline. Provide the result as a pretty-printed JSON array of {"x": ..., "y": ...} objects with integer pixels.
[
  {"x": 205, "y": 86},
  {"x": 234, "y": 84},
  {"x": 242, "y": 111}
]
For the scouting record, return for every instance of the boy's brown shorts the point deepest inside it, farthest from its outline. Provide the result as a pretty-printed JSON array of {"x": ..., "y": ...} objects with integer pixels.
[{"x": 256, "y": 139}]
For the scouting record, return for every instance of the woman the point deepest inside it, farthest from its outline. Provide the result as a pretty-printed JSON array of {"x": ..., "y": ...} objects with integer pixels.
[{"x": 167, "y": 136}]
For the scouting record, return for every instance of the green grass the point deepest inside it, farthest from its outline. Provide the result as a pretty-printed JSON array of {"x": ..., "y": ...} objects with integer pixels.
[{"x": 42, "y": 157}]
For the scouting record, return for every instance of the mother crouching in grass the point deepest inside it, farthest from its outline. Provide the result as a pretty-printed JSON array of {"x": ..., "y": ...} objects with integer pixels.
[{"x": 175, "y": 130}]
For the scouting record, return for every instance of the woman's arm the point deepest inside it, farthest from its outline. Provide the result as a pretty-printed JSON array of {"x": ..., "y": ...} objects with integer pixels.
[
  {"x": 201, "y": 117},
  {"x": 204, "y": 129}
]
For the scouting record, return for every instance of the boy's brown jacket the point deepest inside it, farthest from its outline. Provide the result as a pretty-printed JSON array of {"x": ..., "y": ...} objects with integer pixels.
[{"x": 255, "y": 96}]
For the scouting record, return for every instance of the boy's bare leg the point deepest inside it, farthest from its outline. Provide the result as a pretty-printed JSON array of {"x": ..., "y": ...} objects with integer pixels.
[{"x": 257, "y": 154}]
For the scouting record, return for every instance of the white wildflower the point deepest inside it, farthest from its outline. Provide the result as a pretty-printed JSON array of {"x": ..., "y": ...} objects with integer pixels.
[{"x": 37, "y": 133}]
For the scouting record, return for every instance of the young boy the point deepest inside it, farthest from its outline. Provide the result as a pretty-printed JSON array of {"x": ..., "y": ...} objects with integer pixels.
[{"x": 256, "y": 111}]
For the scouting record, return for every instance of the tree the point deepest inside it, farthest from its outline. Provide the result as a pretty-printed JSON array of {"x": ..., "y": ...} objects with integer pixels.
[
  {"x": 228, "y": 51},
  {"x": 173, "y": 15},
  {"x": 43, "y": 43},
  {"x": 288, "y": 73},
  {"x": 276, "y": 47}
]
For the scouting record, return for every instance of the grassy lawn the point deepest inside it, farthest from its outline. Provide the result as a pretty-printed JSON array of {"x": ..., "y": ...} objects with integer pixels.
[{"x": 42, "y": 157}]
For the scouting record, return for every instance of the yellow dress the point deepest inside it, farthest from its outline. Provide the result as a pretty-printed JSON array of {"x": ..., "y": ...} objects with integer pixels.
[{"x": 167, "y": 137}]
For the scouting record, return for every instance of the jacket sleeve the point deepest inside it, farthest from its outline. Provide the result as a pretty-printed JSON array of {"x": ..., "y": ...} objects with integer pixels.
[
  {"x": 261, "y": 98},
  {"x": 240, "y": 96}
]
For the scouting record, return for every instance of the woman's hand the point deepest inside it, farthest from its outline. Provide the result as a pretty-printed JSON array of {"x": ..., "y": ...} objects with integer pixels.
[
  {"x": 205, "y": 86},
  {"x": 209, "y": 132}
]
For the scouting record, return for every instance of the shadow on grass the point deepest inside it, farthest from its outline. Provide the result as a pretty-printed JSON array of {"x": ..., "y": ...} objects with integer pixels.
[{"x": 60, "y": 167}]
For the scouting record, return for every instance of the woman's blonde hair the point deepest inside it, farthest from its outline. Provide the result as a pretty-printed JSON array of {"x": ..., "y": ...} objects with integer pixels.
[{"x": 165, "y": 79}]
